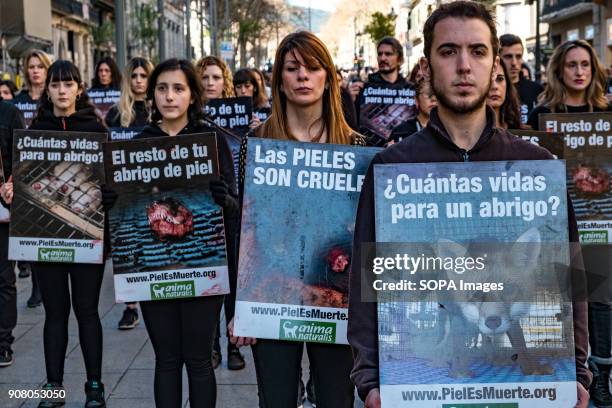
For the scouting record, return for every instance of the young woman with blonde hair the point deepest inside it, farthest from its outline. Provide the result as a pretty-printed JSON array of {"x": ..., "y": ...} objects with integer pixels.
[
  {"x": 306, "y": 107},
  {"x": 576, "y": 82},
  {"x": 132, "y": 109}
]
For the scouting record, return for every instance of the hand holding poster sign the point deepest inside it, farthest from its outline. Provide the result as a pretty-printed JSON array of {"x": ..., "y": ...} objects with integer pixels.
[
  {"x": 167, "y": 234},
  {"x": 382, "y": 108},
  {"x": 299, "y": 207},
  {"x": 57, "y": 211},
  {"x": 464, "y": 337},
  {"x": 588, "y": 153}
]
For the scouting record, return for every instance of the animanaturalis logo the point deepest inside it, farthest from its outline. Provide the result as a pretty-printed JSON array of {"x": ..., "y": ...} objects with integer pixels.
[
  {"x": 594, "y": 237},
  {"x": 55, "y": 255},
  {"x": 307, "y": 330},
  {"x": 172, "y": 290}
]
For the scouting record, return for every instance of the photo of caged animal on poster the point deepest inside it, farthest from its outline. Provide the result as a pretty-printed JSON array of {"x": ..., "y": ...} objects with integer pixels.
[{"x": 466, "y": 337}]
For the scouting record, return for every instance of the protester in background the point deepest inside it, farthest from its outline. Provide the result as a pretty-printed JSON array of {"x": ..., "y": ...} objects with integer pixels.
[
  {"x": 246, "y": 84},
  {"x": 460, "y": 47},
  {"x": 8, "y": 89},
  {"x": 216, "y": 78},
  {"x": 10, "y": 119},
  {"x": 525, "y": 71},
  {"x": 217, "y": 83},
  {"x": 511, "y": 53},
  {"x": 390, "y": 57},
  {"x": 303, "y": 83},
  {"x": 502, "y": 98},
  {"x": 348, "y": 107},
  {"x": 65, "y": 107},
  {"x": 576, "y": 82},
  {"x": 107, "y": 75},
  {"x": 263, "y": 83},
  {"x": 415, "y": 74},
  {"x": 132, "y": 109},
  {"x": 36, "y": 63},
  {"x": 425, "y": 102},
  {"x": 182, "y": 330}
]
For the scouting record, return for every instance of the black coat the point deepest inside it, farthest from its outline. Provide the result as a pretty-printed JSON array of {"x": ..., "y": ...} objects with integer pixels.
[
  {"x": 10, "y": 119},
  {"x": 83, "y": 120},
  {"x": 141, "y": 118}
]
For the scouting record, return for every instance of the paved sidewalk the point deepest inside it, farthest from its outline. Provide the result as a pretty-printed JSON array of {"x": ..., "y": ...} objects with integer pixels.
[{"x": 127, "y": 366}]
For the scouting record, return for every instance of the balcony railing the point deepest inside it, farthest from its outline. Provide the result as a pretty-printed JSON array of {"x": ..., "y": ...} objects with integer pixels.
[
  {"x": 554, "y": 6},
  {"x": 68, "y": 7}
]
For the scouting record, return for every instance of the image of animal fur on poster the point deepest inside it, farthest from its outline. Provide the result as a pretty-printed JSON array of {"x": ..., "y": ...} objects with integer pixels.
[
  {"x": 447, "y": 338},
  {"x": 164, "y": 217},
  {"x": 298, "y": 220}
]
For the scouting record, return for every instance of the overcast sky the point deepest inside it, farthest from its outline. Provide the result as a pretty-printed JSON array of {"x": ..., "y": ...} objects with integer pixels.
[{"x": 327, "y": 5}]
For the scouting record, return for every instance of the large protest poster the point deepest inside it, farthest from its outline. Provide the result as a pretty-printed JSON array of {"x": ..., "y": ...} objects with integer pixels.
[
  {"x": 104, "y": 99},
  {"x": 382, "y": 107},
  {"x": 298, "y": 217},
  {"x": 553, "y": 142},
  {"x": 167, "y": 233},
  {"x": 588, "y": 153},
  {"x": 460, "y": 328},
  {"x": 117, "y": 134},
  {"x": 56, "y": 214}
]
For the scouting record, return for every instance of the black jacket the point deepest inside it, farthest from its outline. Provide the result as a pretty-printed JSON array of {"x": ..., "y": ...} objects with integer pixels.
[
  {"x": 226, "y": 169},
  {"x": 10, "y": 119},
  {"x": 83, "y": 120},
  {"x": 113, "y": 117},
  {"x": 433, "y": 144}
]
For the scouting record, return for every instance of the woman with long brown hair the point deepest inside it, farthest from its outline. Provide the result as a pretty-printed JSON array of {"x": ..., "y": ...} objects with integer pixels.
[
  {"x": 504, "y": 101},
  {"x": 306, "y": 107},
  {"x": 576, "y": 82}
]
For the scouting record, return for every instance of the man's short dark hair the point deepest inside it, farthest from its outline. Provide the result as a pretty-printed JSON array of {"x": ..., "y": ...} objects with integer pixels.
[
  {"x": 459, "y": 9},
  {"x": 394, "y": 43},
  {"x": 508, "y": 40}
]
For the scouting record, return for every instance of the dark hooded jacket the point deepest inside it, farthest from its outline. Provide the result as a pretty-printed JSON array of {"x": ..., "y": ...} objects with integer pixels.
[
  {"x": 83, "y": 120},
  {"x": 10, "y": 119},
  {"x": 433, "y": 144},
  {"x": 226, "y": 169}
]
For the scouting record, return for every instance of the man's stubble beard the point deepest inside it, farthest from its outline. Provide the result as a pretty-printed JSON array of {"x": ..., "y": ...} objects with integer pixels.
[{"x": 457, "y": 108}]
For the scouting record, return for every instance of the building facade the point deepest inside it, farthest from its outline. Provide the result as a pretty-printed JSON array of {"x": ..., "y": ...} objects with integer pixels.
[{"x": 581, "y": 19}]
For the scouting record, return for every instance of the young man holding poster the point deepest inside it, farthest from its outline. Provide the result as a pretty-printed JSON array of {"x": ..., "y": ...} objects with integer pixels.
[{"x": 461, "y": 49}]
